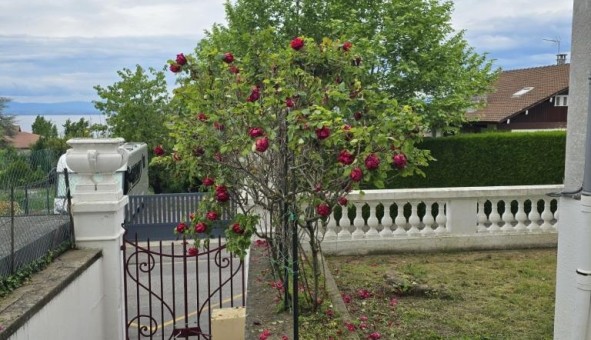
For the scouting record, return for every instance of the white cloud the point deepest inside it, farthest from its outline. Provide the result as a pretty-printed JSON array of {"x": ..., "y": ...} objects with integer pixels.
[{"x": 109, "y": 18}]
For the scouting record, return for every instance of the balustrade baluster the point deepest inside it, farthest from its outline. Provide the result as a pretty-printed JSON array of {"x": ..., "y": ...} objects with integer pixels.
[
  {"x": 494, "y": 217},
  {"x": 428, "y": 219},
  {"x": 547, "y": 216},
  {"x": 482, "y": 218},
  {"x": 441, "y": 218},
  {"x": 344, "y": 223},
  {"x": 520, "y": 216},
  {"x": 372, "y": 221},
  {"x": 556, "y": 218},
  {"x": 358, "y": 222},
  {"x": 414, "y": 219},
  {"x": 331, "y": 226},
  {"x": 400, "y": 220},
  {"x": 507, "y": 217},
  {"x": 534, "y": 216},
  {"x": 386, "y": 221}
]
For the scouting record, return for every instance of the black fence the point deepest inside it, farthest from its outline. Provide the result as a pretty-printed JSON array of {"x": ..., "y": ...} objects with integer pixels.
[{"x": 30, "y": 228}]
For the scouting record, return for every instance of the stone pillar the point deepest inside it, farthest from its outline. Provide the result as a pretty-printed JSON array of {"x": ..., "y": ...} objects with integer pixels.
[
  {"x": 572, "y": 223},
  {"x": 461, "y": 216},
  {"x": 98, "y": 211}
]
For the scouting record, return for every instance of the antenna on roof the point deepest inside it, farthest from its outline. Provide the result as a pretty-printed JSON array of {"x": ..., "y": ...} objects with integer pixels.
[
  {"x": 555, "y": 41},
  {"x": 560, "y": 57}
]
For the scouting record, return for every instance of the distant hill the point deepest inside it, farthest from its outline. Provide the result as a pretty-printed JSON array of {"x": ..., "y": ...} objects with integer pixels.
[{"x": 63, "y": 108}]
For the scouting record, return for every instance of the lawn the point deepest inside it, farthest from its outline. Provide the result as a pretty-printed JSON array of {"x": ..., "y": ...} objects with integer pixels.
[{"x": 460, "y": 295}]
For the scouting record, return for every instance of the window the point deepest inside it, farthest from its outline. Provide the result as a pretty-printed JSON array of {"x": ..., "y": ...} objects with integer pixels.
[
  {"x": 522, "y": 92},
  {"x": 561, "y": 100}
]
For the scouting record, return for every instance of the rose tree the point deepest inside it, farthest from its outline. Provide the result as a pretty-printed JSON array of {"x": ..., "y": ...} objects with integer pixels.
[{"x": 297, "y": 130}]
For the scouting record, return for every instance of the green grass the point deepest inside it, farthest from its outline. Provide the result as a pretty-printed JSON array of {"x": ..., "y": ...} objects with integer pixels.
[{"x": 468, "y": 295}]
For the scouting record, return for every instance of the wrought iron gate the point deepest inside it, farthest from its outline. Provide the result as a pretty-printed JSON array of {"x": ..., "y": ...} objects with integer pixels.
[{"x": 170, "y": 291}]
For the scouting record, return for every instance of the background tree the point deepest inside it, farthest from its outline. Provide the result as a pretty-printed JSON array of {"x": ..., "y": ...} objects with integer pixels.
[
  {"x": 137, "y": 106},
  {"x": 44, "y": 127},
  {"x": 7, "y": 127},
  {"x": 412, "y": 50},
  {"x": 79, "y": 129}
]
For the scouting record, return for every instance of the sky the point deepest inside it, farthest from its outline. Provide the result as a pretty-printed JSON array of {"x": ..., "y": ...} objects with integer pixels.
[{"x": 56, "y": 51}]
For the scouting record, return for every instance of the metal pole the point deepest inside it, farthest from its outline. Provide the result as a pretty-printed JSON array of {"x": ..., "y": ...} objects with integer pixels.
[
  {"x": 295, "y": 264},
  {"x": 69, "y": 198},
  {"x": 587, "y": 171},
  {"x": 12, "y": 230}
]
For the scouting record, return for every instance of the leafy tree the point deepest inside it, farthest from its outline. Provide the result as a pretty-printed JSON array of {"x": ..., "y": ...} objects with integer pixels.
[
  {"x": 44, "y": 127},
  {"x": 137, "y": 106},
  {"x": 7, "y": 127},
  {"x": 411, "y": 49},
  {"x": 291, "y": 133},
  {"x": 80, "y": 129}
]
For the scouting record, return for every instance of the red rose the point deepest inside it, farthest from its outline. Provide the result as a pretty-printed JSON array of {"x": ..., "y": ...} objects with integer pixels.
[
  {"x": 234, "y": 69},
  {"x": 265, "y": 334},
  {"x": 345, "y": 157},
  {"x": 181, "y": 227},
  {"x": 228, "y": 57},
  {"x": 208, "y": 181},
  {"x": 202, "y": 117},
  {"x": 372, "y": 161},
  {"x": 192, "y": 251},
  {"x": 237, "y": 229},
  {"x": 198, "y": 152},
  {"x": 200, "y": 227},
  {"x": 289, "y": 102},
  {"x": 218, "y": 126},
  {"x": 343, "y": 200},
  {"x": 175, "y": 68},
  {"x": 399, "y": 161},
  {"x": 221, "y": 188},
  {"x": 322, "y": 133},
  {"x": 180, "y": 59},
  {"x": 323, "y": 209},
  {"x": 358, "y": 115},
  {"x": 297, "y": 43},
  {"x": 375, "y": 336},
  {"x": 222, "y": 196},
  {"x": 261, "y": 144},
  {"x": 255, "y": 132},
  {"x": 356, "y": 175},
  {"x": 211, "y": 215},
  {"x": 347, "y": 46},
  {"x": 159, "y": 150},
  {"x": 364, "y": 294},
  {"x": 255, "y": 94}
]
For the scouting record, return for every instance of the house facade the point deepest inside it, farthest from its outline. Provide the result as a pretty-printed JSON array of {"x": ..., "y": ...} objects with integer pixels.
[{"x": 525, "y": 99}]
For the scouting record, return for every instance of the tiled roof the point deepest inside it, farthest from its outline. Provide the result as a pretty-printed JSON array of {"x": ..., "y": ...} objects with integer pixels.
[
  {"x": 546, "y": 81},
  {"x": 22, "y": 140}
]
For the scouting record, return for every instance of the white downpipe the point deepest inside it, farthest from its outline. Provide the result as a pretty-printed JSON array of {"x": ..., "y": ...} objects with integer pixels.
[{"x": 583, "y": 300}]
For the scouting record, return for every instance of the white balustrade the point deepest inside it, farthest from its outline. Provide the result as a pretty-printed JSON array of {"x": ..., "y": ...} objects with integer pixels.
[
  {"x": 441, "y": 218},
  {"x": 358, "y": 221},
  {"x": 386, "y": 221},
  {"x": 372, "y": 221},
  {"x": 428, "y": 220},
  {"x": 443, "y": 209}
]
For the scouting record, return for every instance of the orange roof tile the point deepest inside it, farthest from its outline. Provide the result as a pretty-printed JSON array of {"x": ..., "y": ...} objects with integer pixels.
[{"x": 547, "y": 81}]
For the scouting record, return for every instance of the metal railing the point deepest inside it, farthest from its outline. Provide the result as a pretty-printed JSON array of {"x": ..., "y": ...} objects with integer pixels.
[{"x": 29, "y": 228}]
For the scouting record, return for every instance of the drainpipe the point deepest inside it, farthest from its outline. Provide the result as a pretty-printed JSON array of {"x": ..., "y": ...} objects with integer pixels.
[{"x": 583, "y": 301}]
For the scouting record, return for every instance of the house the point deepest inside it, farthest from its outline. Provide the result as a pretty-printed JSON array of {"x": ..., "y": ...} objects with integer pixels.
[
  {"x": 525, "y": 99},
  {"x": 22, "y": 140}
]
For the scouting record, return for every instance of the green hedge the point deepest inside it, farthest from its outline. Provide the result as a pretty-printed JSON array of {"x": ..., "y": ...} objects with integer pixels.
[{"x": 491, "y": 159}]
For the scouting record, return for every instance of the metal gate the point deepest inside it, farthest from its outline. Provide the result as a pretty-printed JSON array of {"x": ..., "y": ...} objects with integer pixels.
[
  {"x": 170, "y": 291},
  {"x": 155, "y": 216}
]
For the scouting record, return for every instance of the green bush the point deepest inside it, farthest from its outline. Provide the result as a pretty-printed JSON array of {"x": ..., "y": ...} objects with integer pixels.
[{"x": 491, "y": 159}]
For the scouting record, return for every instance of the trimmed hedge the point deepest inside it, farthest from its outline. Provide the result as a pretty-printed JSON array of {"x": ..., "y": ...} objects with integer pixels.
[{"x": 491, "y": 159}]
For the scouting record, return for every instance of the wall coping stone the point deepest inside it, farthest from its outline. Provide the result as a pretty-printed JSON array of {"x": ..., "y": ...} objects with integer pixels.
[{"x": 23, "y": 303}]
